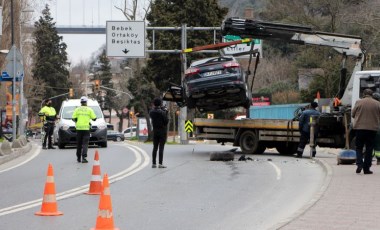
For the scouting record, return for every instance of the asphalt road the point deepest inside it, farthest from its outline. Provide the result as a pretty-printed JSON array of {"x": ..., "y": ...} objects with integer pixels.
[{"x": 192, "y": 193}]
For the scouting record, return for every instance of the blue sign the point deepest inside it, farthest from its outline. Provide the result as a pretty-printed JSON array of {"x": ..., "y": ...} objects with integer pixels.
[{"x": 5, "y": 77}]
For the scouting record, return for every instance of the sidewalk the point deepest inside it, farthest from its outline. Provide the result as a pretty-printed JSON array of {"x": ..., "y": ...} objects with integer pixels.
[{"x": 347, "y": 201}]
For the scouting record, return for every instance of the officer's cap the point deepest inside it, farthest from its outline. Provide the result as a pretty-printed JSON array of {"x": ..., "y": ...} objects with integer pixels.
[{"x": 83, "y": 99}]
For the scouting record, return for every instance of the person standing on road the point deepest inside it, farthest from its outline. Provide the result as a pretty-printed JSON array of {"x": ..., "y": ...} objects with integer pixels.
[
  {"x": 366, "y": 114},
  {"x": 48, "y": 116},
  {"x": 82, "y": 117},
  {"x": 304, "y": 128},
  {"x": 159, "y": 116}
]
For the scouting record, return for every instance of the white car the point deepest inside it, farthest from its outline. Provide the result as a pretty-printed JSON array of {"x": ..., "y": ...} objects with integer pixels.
[{"x": 128, "y": 134}]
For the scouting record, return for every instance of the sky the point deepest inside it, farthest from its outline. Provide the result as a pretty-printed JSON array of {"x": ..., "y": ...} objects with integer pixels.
[{"x": 89, "y": 13}]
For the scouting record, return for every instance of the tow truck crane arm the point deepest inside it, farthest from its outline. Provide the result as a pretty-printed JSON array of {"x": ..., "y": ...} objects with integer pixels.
[
  {"x": 347, "y": 45},
  {"x": 302, "y": 35}
]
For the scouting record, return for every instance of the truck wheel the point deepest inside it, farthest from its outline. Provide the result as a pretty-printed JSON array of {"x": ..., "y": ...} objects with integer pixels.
[
  {"x": 61, "y": 145},
  {"x": 103, "y": 144},
  {"x": 249, "y": 143},
  {"x": 286, "y": 149}
]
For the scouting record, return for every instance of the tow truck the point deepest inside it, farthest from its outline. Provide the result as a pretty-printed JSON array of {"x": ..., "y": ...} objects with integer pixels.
[{"x": 253, "y": 136}]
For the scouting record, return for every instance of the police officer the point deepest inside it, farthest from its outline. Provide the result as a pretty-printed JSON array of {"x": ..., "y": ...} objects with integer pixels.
[
  {"x": 48, "y": 116},
  {"x": 82, "y": 116},
  {"x": 304, "y": 128},
  {"x": 159, "y": 116}
]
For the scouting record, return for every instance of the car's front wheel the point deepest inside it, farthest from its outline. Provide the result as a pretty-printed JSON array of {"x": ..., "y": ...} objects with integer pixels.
[{"x": 118, "y": 138}]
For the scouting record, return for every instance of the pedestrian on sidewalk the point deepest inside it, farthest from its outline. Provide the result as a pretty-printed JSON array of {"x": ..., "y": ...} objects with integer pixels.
[
  {"x": 82, "y": 117},
  {"x": 366, "y": 115},
  {"x": 159, "y": 116},
  {"x": 304, "y": 128},
  {"x": 48, "y": 116}
]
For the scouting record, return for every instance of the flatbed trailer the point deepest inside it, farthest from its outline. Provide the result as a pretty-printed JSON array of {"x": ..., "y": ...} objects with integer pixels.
[{"x": 253, "y": 136}]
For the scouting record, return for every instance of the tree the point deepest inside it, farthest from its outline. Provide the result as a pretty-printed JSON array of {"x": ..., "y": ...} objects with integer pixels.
[
  {"x": 105, "y": 76},
  {"x": 337, "y": 16},
  {"x": 164, "y": 69},
  {"x": 50, "y": 58}
]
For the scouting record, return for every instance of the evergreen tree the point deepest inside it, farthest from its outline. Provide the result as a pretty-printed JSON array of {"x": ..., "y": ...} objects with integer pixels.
[
  {"x": 105, "y": 77},
  {"x": 164, "y": 69},
  {"x": 50, "y": 57}
]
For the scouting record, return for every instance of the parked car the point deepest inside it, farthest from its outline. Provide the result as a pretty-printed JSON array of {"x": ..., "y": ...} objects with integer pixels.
[
  {"x": 212, "y": 84},
  {"x": 114, "y": 135},
  {"x": 128, "y": 134}
]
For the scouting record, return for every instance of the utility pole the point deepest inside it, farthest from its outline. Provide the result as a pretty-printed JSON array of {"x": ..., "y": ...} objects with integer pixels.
[{"x": 14, "y": 122}]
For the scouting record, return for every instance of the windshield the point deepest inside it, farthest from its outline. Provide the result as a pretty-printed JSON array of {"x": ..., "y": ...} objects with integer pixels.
[{"x": 67, "y": 111}]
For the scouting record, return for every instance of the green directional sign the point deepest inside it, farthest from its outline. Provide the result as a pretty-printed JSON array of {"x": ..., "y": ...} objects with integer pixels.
[{"x": 188, "y": 126}]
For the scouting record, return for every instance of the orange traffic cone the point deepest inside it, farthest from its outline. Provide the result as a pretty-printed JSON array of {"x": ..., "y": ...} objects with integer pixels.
[
  {"x": 49, "y": 203},
  {"x": 96, "y": 179},
  {"x": 105, "y": 215}
]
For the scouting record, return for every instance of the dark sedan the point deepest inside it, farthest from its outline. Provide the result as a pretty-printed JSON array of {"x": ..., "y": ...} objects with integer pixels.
[
  {"x": 114, "y": 135},
  {"x": 216, "y": 83}
]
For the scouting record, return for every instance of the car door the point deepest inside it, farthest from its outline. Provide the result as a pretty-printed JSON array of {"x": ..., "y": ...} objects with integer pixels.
[{"x": 175, "y": 94}]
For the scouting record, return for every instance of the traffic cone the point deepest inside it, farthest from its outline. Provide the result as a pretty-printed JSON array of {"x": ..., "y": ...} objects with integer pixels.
[
  {"x": 96, "y": 178},
  {"x": 49, "y": 203},
  {"x": 105, "y": 216}
]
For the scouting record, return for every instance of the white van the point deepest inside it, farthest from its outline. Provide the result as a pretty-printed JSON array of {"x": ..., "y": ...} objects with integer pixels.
[{"x": 65, "y": 132}]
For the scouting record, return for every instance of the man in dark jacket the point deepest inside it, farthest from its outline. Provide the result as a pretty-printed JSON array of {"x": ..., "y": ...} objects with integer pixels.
[
  {"x": 304, "y": 128},
  {"x": 366, "y": 115},
  {"x": 159, "y": 116}
]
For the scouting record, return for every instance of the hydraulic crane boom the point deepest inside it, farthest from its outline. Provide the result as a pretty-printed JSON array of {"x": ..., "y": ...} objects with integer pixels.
[
  {"x": 245, "y": 28},
  {"x": 347, "y": 45}
]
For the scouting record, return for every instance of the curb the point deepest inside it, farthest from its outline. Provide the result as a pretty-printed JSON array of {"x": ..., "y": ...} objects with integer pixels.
[
  {"x": 329, "y": 173},
  {"x": 16, "y": 152}
]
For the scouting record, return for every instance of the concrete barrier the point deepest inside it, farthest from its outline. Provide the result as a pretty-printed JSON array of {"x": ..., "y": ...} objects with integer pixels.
[
  {"x": 5, "y": 148},
  {"x": 23, "y": 140},
  {"x": 17, "y": 144}
]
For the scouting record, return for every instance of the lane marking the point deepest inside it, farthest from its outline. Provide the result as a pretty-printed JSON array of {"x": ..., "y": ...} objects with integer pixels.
[
  {"x": 31, "y": 157},
  {"x": 142, "y": 160},
  {"x": 277, "y": 169}
]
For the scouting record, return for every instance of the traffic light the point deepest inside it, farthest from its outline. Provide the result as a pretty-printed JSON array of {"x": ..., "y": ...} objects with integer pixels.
[
  {"x": 131, "y": 114},
  {"x": 97, "y": 84},
  {"x": 71, "y": 92}
]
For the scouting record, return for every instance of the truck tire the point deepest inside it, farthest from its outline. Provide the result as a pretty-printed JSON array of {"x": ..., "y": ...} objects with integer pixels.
[
  {"x": 249, "y": 143},
  {"x": 286, "y": 149},
  {"x": 61, "y": 145}
]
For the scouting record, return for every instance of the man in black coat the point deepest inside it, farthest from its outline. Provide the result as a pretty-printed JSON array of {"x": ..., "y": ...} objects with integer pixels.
[{"x": 159, "y": 116}]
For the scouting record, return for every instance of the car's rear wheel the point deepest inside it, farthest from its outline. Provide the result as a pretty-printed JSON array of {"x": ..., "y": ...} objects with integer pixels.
[{"x": 118, "y": 138}]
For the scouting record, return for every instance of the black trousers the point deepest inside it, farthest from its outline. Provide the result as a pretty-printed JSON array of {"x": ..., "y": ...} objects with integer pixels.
[
  {"x": 48, "y": 128},
  {"x": 364, "y": 138},
  {"x": 159, "y": 140},
  {"x": 83, "y": 136},
  {"x": 304, "y": 139}
]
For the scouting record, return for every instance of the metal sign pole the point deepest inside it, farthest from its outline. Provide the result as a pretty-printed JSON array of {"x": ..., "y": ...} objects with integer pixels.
[
  {"x": 183, "y": 113},
  {"x": 14, "y": 121}
]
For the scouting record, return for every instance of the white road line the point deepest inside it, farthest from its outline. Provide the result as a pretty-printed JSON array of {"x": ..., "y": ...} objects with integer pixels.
[
  {"x": 23, "y": 162},
  {"x": 278, "y": 170},
  {"x": 142, "y": 160}
]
